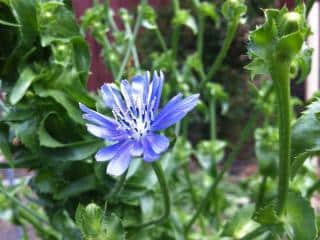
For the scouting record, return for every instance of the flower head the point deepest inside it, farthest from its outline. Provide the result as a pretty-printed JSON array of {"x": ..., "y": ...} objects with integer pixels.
[{"x": 136, "y": 119}]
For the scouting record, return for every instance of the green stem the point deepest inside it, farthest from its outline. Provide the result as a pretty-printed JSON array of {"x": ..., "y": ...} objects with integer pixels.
[
  {"x": 231, "y": 30},
  {"x": 130, "y": 44},
  {"x": 228, "y": 163},
  {"x": 37, "y": 221},
  {"x": 134, "y": 49},
  {"x": 108, "y": 61},
  {"x": 161, "y": 39},
  {"x": 193, "y": 193},
  {"x": 262, "y": 189},
  {"x": 280, "y": 73},
  {"x": 166, "y": 197},
  {"x": 213, "y": 123},
  {"x": 110, "y": 17},
  {"x": 119, "y": 185},
  {"x": 201, "y": 23},
  {"x": 176, "y": 31}
]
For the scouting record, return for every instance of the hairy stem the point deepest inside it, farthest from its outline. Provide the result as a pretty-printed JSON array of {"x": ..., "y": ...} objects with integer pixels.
[
  {"x": 280, "y": 71},
  {"x": 166, "y": 198}
]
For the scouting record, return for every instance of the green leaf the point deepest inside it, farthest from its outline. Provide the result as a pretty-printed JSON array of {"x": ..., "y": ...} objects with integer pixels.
[
  {"x": 304, "y": 62},
  {"x": 23, "y": 83},
  {"x": 148, "y": 17},
  {"x": 4, "y": 145},
  {"x": 183, "y": 17},
  {"x": 208, "y": 10},
  {"x": 82, "y": 185},
  {"x": 209, "y": 153},
  {"x": 232, "y": 10},
  {"x": 56, "y": 22},
  {"x": 25, "y": 14},
  {"x": 81, "y": 57},
  {"x": 115, "y": 229},
  {"x": 289, "y": 45},
  {"x": 267, "y": 150},
  {"x": 306, "y": 136},
  {"x": 44, "y": 181},
  {"x": 75, "y": 152},
  {"x": 257, "y": 67},
  {"x": 3, "y": 22},
  {"x": 64, "y": 100},
  {"x": 300, "y": 222},
  {"x": 240, "y": 224},
  {"x": 26, "y": 132},
  {"x": 266, "y": 215}
]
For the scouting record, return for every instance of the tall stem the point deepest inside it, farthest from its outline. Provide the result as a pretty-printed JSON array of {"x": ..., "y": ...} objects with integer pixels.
[
  {"x": 166, "y": 197},
  {"x": 228, "y": 163},
  {"x": 213, "y": 123},
  {"x": 262, "y": 189},
  {"x": 130, "y": 44},
  {"x": 176, "y": 31},
  {"x": 118, "y": 187},
  {"x": 280, "y": 71},
  {"x": 231, "y": 30}
]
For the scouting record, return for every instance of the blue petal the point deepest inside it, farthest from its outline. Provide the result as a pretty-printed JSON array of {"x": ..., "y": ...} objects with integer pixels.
[
  {"x": 140, "y": 87},
  {"x": 120, "y": 162},
  {"x": 107, "y": 153},
  {"x": 149, "y": 155},
  {"x": 105, "y": 133},
  {"x": 97, "y": 118},
  {"x": 172, "y": 113},
  {"x": 137, "y": 149},
  {"x": 156, "y": 89},
  {"x": 126, "y": 91},
  {"x": 159, "y": 143},
  {"x": 112, "y": 97}
]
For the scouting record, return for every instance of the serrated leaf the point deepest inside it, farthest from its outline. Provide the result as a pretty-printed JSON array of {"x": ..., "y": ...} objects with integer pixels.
[
  {"x": 305, "y": 136},
  {"x": 266, "y": 215},
  {"x": 257, "y": 67},
  {"x": 300, "y": 222}
]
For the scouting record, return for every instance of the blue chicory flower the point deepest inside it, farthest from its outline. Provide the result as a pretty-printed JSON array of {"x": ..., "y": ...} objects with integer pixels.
[{"x": 136, "y": 120}]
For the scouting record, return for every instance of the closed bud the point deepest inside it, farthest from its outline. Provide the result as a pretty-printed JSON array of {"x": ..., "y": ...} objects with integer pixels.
[{"x": 291, "y": 22}]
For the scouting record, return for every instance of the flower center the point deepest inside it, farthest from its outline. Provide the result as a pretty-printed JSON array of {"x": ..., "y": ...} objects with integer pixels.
[{"x": 136, "y": 119}]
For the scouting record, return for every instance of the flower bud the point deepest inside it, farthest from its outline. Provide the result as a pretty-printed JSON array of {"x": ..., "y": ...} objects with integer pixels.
[
  {"x": 93, "y": 218},
  {"x": 290, "y": 23}
]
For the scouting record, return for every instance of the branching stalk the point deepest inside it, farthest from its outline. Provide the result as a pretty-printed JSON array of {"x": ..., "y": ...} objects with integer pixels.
[{"x": 166, "y": 198}]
